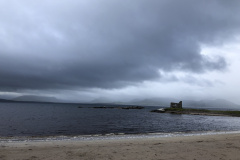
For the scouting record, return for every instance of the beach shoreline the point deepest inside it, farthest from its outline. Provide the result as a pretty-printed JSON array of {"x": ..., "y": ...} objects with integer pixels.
[
  {"x": 109, "y": 136},
  {"x": 214, "y": 146}
]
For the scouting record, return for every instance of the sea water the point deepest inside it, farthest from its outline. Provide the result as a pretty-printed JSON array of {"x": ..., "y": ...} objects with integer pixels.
[{"x": 84, "y": 121}]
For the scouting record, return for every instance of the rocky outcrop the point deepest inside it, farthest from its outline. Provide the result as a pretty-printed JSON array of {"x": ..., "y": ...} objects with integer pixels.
[{"x": 160, "y": 110}]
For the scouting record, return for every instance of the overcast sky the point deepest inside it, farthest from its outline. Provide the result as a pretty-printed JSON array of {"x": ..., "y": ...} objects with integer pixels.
[{"x": 81, "y": 50}]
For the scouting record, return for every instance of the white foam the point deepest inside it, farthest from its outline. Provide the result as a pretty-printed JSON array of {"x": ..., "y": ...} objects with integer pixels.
[{"x": 110, "y": 136}]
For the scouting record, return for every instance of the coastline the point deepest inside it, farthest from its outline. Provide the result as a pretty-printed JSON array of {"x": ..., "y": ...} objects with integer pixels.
[
  {"x": 223, "y": 145},
  {"x": 110, "y": 136},
  {"x": 203, "y": 112}
]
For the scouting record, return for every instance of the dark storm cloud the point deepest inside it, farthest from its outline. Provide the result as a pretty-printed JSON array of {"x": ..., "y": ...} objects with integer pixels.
[{"x": 109, "y": 44}]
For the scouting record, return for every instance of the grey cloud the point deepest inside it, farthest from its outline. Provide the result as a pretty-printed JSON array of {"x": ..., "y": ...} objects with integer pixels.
[{"x": 109, "y": 44}]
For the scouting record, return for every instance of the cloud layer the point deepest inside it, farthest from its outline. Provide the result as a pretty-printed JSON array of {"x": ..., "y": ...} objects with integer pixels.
[{"x": 109, "y": 44}]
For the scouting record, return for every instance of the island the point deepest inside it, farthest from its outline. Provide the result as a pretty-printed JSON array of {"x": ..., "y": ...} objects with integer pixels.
[
  {"x": 176, "y": 108},
  {"x": 206, "y": 112}
]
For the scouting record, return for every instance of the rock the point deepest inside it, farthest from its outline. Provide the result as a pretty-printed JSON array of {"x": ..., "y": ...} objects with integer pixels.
[
  {"x": 133, "y": 107},
  {"x": 104, "y": 107},
  {"x": 160, "y": 110}
]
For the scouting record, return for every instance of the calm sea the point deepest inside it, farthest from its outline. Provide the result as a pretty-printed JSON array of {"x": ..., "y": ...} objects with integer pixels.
[{"x": 49, "y": 119}]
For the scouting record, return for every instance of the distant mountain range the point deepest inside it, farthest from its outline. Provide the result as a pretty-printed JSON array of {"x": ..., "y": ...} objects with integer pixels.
[
  {"x": 31, "y": 98},
  {"x": 5, "y": 100},
  {"x": 34, "y": 98},
  {"x": 217, "y": 103},
  {"x": 161, "y": 102}
]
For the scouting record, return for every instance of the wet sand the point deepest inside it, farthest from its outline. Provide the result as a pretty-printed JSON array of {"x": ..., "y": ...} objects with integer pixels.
[{"x": 198, "y": 147}]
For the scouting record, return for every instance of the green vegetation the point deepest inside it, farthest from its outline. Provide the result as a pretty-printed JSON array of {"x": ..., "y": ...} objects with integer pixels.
[{"x": 202, "y": 112}]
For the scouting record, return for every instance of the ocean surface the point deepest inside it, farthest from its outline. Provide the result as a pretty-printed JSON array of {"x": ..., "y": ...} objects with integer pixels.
[{"x": 52, "y": 119}]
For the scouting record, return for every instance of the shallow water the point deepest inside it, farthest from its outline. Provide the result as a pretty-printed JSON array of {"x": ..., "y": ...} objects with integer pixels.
[{"x": 108, "y": 137}]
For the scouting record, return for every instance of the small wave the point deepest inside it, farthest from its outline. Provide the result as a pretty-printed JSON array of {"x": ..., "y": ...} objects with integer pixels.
[{"x": 110, "y": 136}]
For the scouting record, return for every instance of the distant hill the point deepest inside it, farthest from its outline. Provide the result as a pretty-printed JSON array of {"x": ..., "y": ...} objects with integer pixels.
[
  {"x": 165, "y": 102},
  {"x": 34, "y": 98},
  {"x": 5, "y": 100},
  {"x": 217, "y": 103},
  {"x": 102, "y": 100}
]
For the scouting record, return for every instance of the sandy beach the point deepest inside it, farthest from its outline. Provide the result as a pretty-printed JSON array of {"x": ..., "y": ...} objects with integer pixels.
[{"x": 199, "y": 147}]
